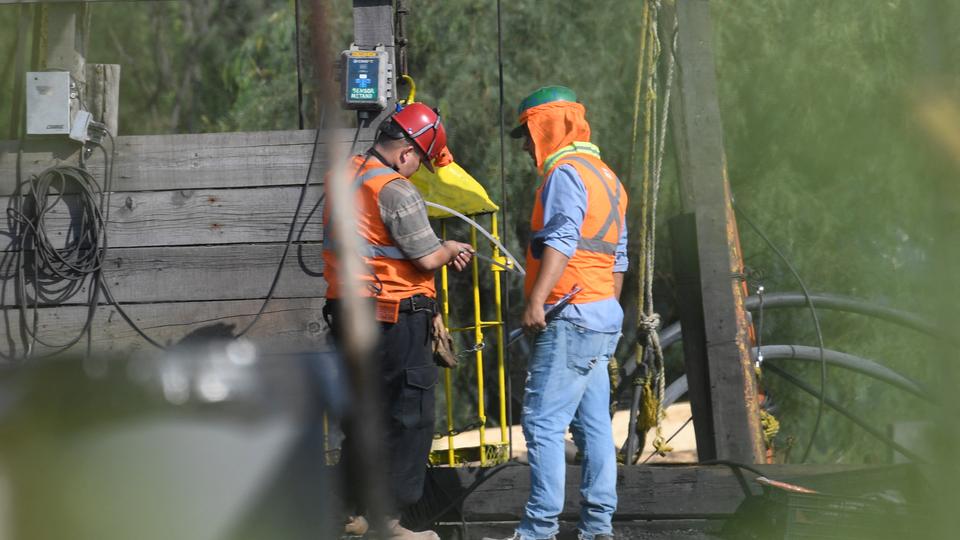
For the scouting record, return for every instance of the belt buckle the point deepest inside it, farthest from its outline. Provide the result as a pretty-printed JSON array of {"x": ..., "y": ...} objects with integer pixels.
[{"x": 415, "y": 308}]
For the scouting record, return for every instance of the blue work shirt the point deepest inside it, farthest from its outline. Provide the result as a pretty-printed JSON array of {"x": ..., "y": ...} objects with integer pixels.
[{"x": 564, "y": 200}]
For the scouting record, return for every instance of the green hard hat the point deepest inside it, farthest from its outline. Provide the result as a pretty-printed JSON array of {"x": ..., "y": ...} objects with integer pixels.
[
  {"x": 544, "y": 94},
  {"x": 547, "y": 94}
]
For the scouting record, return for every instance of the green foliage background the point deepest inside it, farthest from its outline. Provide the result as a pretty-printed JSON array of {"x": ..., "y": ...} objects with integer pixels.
[{"x": 819, "y": 103}]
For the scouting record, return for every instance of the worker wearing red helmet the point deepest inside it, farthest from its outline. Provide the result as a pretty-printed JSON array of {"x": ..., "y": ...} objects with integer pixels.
[{"x": 401, "y": 252}]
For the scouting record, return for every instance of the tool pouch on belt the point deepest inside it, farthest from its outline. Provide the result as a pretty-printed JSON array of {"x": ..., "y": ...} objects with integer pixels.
[
  {"x": 443, "y": 353},
  {"x": 387, "y": 310}
]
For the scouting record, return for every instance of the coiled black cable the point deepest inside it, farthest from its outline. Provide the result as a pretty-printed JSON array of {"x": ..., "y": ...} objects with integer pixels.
[
  {"x": 57, "y": 268},
  {"x": 58, "y": 273}
]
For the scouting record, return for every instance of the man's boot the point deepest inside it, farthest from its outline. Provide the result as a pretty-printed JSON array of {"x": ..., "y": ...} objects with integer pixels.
[{"x": 398, "y": 532}]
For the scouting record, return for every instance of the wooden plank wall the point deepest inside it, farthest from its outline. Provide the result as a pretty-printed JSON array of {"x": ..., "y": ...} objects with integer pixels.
[{"x": 197, "y": 225}]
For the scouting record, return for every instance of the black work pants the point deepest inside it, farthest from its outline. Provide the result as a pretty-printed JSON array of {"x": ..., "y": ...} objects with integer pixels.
[{"x": 407, "y": 377}]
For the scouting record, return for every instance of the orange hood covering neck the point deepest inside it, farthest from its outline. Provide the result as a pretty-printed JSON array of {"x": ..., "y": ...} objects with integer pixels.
[{"x": 553, "y": 126}]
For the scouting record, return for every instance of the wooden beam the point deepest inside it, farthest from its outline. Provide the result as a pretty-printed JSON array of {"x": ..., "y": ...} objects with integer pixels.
[
  {"x": 60, "y": 41},
  {"x": 657, "y": 492},
  {"x": 191, "y": 217},
  {"x": 67, "y": 25},
  {"x": 286, "y": 325},
  {"x": 190, "y": 161},
  {"x": 698, "y": 137},
  {"x": 686, "y": 270},
  {"x": 25, "y": 21},
  {"x": 192, "y": 274},
  {"x": 673, "y": 529},
  {"x": 66, "y": 47},
  {"x": 373, "y": 23}
]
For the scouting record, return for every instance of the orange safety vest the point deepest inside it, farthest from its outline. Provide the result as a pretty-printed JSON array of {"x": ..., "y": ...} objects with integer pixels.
[
  {"x": 591, "y": 267},
  {"x": 392, "y": 277}
]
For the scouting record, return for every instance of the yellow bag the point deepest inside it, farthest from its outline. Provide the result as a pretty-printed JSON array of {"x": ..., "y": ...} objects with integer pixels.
[{"x": 453, "y": 187}]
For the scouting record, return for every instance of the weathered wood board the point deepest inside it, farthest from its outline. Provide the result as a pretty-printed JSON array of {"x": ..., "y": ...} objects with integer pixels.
[
  {"x": 285, "y": 326},
  {"x": 194, "y": 217},
  {"x": 198, "y": 273},
  {"x": 189, "y": 161},
  {"x": 196, "y": 228}
]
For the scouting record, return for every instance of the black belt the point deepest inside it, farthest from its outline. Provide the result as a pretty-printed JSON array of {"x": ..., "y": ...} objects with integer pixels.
[{"x": 419, "y": 302}]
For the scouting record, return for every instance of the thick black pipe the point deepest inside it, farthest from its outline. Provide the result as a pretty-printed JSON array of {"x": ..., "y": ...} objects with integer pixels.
[
  {"x": 850, "y": 305},
  {"x": 849, "y": 415},
  {"x": 872, "y": 369},
  {"x": 672, "y": 333},
  {"x": 847, "y": 361},
  {"x": 679, "y": 387}
]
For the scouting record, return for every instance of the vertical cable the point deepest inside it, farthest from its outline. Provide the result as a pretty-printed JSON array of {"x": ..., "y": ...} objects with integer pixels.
[
  {"x": 506, "y": 206},
  {"x": 816, "y": 326},
  {"x": 296, "y": 34}
]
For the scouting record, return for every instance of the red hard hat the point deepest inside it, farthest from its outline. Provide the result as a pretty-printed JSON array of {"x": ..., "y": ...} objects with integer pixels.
[{"x": 422, "y": 125}]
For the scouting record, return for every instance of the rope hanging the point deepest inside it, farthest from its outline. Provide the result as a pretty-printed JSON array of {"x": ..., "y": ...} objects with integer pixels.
[
  {"x": 649, "y": 351},
  {"x": 640, "y": 423}
]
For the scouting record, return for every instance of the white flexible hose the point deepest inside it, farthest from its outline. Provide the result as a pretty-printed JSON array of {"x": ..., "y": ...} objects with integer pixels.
[{"x": 484, "y": 232}]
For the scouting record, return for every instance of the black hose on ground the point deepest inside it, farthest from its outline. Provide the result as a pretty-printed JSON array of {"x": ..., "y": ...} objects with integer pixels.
[{"x": 673, "y": 333}]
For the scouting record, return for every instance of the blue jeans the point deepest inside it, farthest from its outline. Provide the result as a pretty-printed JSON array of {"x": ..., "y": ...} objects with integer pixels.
[{"x": 568, "y": 385}]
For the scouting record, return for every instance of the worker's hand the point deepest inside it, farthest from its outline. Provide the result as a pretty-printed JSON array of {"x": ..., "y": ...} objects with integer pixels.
[
  {"x": 461, "y": 254},
  {"x": 533, "y": 320},
  {"x": 438, "y": 325}
]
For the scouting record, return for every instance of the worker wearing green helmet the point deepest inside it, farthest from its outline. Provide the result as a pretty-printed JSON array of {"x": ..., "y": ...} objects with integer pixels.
[{"x": 578, "y": 241}]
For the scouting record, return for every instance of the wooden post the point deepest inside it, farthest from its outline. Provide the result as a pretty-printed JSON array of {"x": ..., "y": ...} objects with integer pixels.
[
  {"x": 372, "y": 26},
  {"x": 26, "y": 16},
  {"x": 102, "y": 97},
  {"x": 732, "y": 421},
  {"x": 66, "y": 37},
  {"x": 686, "y": 271},
  {"x": 66, "y": 45}
]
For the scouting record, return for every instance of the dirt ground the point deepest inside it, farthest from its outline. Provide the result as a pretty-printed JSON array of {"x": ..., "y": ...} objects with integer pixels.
[{"x": 684, "y": 443}]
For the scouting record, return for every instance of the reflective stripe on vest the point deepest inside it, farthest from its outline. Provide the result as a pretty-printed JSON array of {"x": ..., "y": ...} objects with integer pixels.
[
  {"x": 574, "y": 147},
  {"x": 371, "y": 174},
  {"x": 591, "y": 266},
  {"x": 597, "y": 243},
  {"x": 390, "y": 275},
  {"x": 367, "y": 249},
  {"x": 328, "y": 241}
]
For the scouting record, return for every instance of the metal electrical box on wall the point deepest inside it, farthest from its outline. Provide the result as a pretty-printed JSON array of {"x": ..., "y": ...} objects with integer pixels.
[
  {"x": 48, "y": 103},
  {"x": 367, "y": 78}
]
